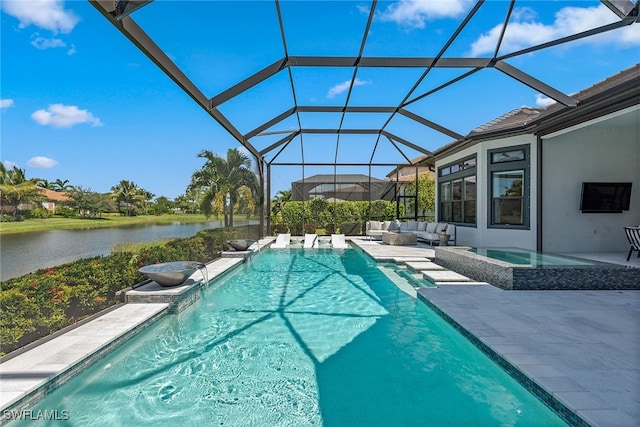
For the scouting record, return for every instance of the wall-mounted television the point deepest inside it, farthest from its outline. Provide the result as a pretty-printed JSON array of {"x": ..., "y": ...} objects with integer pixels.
[{"x": 605, "y": 197}]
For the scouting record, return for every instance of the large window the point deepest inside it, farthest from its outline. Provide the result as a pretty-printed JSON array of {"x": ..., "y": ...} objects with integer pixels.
[
  {"x": 457, "y": 191},
  {"x": 509, "y": 187}
]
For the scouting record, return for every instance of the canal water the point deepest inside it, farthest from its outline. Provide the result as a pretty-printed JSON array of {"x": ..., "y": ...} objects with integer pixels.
[{"x": 26, "y": 252}]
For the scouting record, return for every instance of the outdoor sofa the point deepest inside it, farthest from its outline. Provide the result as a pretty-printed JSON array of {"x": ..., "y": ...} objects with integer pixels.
[{"x": 426, "y": 231}]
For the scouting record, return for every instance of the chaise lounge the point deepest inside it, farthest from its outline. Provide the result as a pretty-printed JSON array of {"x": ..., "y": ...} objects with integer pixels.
[{"x": 633, "y": 235}]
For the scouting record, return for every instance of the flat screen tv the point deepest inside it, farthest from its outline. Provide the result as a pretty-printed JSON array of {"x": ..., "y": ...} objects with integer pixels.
[{"x": 605, "y": 197}]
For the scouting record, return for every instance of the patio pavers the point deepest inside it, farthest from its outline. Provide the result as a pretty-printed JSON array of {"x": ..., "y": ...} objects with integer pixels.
[{"x": 580, "y": 346}]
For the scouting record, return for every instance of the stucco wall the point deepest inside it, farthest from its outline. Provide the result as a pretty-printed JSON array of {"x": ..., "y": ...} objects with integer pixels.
[
  {"x": 605, "y": 151},
  {"x": 482, "y": 235}
]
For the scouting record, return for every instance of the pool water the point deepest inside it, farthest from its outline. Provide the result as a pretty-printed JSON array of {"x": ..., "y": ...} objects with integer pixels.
[
  {"x": 524, "y": 257},
  {"x": 300, "y": 338}
]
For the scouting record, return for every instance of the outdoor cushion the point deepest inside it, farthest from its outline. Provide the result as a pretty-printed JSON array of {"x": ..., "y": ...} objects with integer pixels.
[
  {"x": 422, "y": 226},
  {"x": 374, "y": 225},
  {"x": 386, "y": 225},
  {"x": 441, "y": 227},
  {"x": 431, "y": 227},
  {"x": 412, "y": 225}
]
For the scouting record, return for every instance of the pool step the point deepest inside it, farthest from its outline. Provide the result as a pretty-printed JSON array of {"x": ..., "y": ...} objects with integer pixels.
[
  {"x": 445, "y": 276},
  {"x": 460, "y": 283},
  {"x": 420, "y": 266}
]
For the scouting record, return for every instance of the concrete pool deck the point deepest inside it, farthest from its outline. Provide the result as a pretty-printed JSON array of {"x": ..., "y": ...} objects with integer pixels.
[{"x": 582, "y": 347}]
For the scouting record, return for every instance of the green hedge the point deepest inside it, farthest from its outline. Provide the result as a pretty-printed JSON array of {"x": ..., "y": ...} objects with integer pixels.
[
  {"x": 346, "y": 217},
  {"x": 42, "y": 302}
]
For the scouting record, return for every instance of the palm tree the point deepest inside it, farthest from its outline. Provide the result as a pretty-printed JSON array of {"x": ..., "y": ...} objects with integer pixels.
[
  {"x": 15, "y": 188},
  {"x": 126, "y": 194},
  {"x": 43, "y": 183},
  {"x": 60, "y": 185},
  {"x": 219, "y": 181}
]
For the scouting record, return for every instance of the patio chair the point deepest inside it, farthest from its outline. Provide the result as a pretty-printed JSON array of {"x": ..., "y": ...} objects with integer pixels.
[
  {"x": 337, "y": 241},
  {"x": 633, "y": 235},
  {"x": 282, "y": 241},
  {"x": 310, "y": 240}
]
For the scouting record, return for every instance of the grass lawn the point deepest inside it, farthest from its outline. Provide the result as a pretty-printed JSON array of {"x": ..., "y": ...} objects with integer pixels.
[{"x": 104, "y": 222}]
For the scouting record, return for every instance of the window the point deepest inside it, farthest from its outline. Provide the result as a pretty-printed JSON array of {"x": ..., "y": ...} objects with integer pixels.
[
  {"x": 509, "y": 187},
  {"x": 457, "y": 192}
]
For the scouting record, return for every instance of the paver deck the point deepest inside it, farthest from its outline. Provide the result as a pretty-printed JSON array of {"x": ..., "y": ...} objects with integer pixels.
[{"x": 581, "y": 346}]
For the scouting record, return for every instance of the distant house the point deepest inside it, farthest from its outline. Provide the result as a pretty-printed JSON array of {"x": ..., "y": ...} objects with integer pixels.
[
  {"x": 50, "y": 201},
  {"x": 523, "y": 179},
  {"x": 346, "y": 187},
  {"x": 53, "y": 198}
]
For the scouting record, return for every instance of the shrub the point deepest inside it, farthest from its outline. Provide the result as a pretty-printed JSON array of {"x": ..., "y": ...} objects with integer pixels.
[
  {"x": 278, "y": 228},
  {"x": 47, "y": 300}
]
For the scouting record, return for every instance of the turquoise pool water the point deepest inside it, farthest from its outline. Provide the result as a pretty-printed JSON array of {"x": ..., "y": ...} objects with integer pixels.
[
  {"x": 523, "y": 257},
  {"x": 300, "y": 338}
]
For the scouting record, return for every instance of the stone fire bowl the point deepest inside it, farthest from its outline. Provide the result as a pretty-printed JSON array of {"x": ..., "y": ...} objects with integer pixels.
[{"x": 170, "y": 273}]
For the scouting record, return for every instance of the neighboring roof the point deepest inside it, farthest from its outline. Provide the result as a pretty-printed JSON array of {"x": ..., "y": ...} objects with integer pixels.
[
  {"x": 338, "y": 178},
  {"x": 54, "y": 196}
]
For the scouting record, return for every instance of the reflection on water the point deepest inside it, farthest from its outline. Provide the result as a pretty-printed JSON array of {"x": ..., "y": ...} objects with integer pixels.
[{"x": 26, "y": 252}]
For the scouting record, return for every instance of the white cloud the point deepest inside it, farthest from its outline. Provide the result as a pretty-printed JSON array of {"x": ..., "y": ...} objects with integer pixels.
[
  {"x": 47, "y": 14},
  {"x": 6, "y": 103},
  {"x": 415, "y": 13},
  {"x": 44, "y": 43},
  {"x": 9, "y": 164},
  {"x": 64, "y": 116},
  {"x": 544, "y": 101},
  {"x": 524, "y": 31},
  {"x": 71, "y": 50},
  {"x": 341, "y": 87},
  {"x": 41, "y": 162}
]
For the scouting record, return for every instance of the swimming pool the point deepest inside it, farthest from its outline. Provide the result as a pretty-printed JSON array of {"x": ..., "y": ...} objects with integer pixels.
[{"x": 300, "y": 338}]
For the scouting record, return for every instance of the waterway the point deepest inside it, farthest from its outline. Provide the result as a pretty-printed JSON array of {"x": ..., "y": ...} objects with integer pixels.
[{"x": 26, "y": 252}]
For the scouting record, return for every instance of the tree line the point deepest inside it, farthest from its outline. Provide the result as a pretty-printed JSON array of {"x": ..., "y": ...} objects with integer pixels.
[{"x": 220, "y": 187}]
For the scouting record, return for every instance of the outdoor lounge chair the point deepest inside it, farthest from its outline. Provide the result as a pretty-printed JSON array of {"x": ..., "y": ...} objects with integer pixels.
[
  {"x": 633, "y": 234},
  {"x": 282, "y": 241},
  {"x": 337, "y": 241},
  {"x": 310, "y": 240}
]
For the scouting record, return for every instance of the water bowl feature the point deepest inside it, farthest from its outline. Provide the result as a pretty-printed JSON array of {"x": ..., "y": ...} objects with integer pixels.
[
  {"x": 239, "y": 245},
  {"x": 170, "y": 273}
]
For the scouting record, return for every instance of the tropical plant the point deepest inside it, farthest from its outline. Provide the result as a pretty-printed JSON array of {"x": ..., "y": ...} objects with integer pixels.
[
  {"x": 128, "y": 195},
  {"x": 86, "y": 202},
  {"x": 60, "y": 185},
  {"x": 426, "y": 195},
  {"x": 43, "y": 183},
  {"x": 219, "y": 182},
  {"x": 15, "y": 189}
]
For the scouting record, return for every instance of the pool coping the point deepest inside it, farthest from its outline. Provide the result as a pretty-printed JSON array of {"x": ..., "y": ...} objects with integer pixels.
[{"x": 32, "y": 375}]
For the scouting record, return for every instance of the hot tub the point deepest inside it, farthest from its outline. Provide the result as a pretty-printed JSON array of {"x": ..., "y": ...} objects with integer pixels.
[{"x": 521, "y": 269}]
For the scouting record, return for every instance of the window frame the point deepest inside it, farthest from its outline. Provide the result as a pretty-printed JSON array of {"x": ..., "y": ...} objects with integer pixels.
[
  {"x": 524, "y": 166},
  {"x": 466, "y": 169}
]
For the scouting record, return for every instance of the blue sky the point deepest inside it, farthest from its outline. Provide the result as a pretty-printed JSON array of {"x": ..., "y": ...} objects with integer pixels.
[{"x": 79, "y": 102}]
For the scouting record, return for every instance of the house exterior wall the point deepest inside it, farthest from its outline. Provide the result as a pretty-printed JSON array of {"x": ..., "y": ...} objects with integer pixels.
[
  {"x": 483, "y": 235},
  {"x": 605, "y": 151}
]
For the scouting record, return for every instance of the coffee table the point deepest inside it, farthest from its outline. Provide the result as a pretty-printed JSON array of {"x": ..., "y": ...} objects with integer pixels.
[{"x": 399, "y": 239}]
